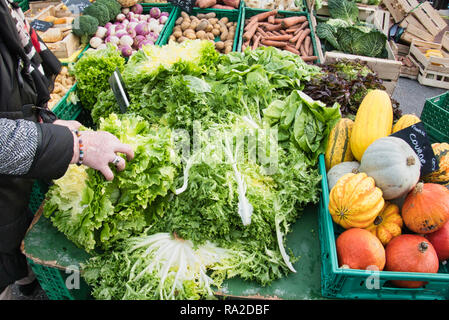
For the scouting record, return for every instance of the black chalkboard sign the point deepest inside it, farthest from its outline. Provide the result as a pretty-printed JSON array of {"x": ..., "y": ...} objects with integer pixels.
[
  {"x": 40, "y": 25},
  {"x": 416, "y": 137},
  {"x": 118, "y": 87},
  {"x": 185, "y": 5},
  {"x": 76, "y": 6}
]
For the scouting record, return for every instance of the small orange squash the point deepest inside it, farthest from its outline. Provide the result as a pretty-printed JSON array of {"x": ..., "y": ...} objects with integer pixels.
[
  {"x": 359, "y": 249},
  {"x": 426, "y": 208},
  {"x": 355, "y": 201},
  {"x": 388, "y": 224},
  {"x": 410, "y": 253}
]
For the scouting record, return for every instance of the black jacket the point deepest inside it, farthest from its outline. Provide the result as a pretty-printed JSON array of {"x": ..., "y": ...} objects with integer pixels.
[{"x": 20, "y": 92}]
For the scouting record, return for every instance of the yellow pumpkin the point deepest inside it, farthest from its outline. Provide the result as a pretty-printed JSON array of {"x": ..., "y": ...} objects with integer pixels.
[
  {"x": 374, "y": 120},
  {"x": 405, "y": 121},
  {"x": 388, "y": 224},
  {"x": 441, "y": 151},
  {"x": 338, "y": 149},
  {"x": 355, "y": 201}
]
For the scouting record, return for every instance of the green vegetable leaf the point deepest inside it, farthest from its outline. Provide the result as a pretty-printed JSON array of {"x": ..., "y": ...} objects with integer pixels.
[{"x": 344, "y": 9}]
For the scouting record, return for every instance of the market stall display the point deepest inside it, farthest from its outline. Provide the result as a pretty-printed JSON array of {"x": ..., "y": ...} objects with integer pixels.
[{"x": 227, "y": 218}]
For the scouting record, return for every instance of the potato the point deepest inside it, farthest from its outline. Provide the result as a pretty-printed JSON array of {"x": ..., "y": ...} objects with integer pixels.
[
  {"x": 185, "y": 25},
  {"x": 229, "y": 24},
  {"x": 209, "y": 28},
  {"x": 210, "y": 36},
  {"x": 193, "y": 24},
  {"x": 216, "y": 32},
  {"x": 191, "y": 35},
  {"x": 210, "y": 15},
  {"x": 187, "y": 31},
  {"x": 201, "y": 35},
  {"x": 181, "y": 39},
  {"x": 179, "y": 20},
  {"x": 224, "y": 20},
  {"x": 201, "y": 16},
  {"x": 229, "y": 43},
  {"x": 202, "y": 25},
  {"x": 224, "y": 35},
  {"x": 219, "y": 45},
  {"x": 177, "y": 28},
  {"x": 227, "y": 49},
  {"x": 185, "y": 15},
  {"x": 231, "y": 36},
  {"x": 213, "y": 21}
]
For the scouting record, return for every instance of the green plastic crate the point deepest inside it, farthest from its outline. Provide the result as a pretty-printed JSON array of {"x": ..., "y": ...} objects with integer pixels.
[
  {"x": 232, "y": 15},
  {"x": 65, "y": 109},
  {"x": 23, "y": 4},
  {"x": 37, "y": 196},
  {"x": 53, "y": 282},
  {"x": 249, "y": 12},
  {"x": 435, "y": 117},
  {"x": 364, "y": 284}
]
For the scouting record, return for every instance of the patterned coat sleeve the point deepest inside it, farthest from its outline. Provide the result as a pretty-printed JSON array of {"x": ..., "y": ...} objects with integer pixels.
[{"x": 34, "y": 150}]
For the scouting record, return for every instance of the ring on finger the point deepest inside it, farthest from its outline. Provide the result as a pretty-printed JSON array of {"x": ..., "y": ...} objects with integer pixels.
[{"x": 116, "y": 160}]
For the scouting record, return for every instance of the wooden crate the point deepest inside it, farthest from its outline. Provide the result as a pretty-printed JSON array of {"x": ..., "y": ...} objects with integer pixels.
[
  {"x": 70, "y": 44},
  {"x": 402, "y": 51},
  {"x": 417, "y": 52},
  {"x": 414, "y": 30},
  {"x": 445, "y": 41},
  {"x": 433, "y": 71},
  {"x": 365, "y": 10},
  {"x": 36, "y": 7},
  {"x": 387, "y": 69},
  {"x": 423, "y": 12}
]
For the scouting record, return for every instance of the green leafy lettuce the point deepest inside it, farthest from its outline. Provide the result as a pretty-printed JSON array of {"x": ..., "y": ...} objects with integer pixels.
[{"x": 95, "y": 213}]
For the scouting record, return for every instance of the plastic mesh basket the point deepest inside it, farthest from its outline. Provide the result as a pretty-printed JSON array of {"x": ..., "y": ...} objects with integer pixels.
[
  {"x": 435, "y": 117},
  {"x": 232, "y": 15},
  {"x": 51, "y": 281},
  {"x": 342, "y": 283}
]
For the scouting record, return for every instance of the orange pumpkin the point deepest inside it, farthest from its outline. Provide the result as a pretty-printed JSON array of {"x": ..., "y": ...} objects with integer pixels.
[
  {"x": 355, "y": 201},
  {"x": 410, "y": 253},
  {"x": 388, "y": 224},
  {"x": 360, "y": 249},
  {"x": 426, "y": 208}
]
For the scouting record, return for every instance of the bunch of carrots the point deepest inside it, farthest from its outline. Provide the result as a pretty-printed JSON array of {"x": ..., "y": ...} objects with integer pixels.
[{"x": 290, "y": 33}]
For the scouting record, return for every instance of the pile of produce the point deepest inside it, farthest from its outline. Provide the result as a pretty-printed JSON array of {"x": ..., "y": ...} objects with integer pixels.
[
  {"x": 218, "y": 4},
  {"x": 206, "y": 26},
  {"x": 179, "y": 221},
  {"x": 346, "y": 82},
  {"x": 344, "y": 32},
  {"x": 127, "y": 28},
  {"x": 396, "y": 217},
  {"x": 287, "y": 33},
  {"x": 63, "y": 83},
  {"x": 286, "y": 5}
]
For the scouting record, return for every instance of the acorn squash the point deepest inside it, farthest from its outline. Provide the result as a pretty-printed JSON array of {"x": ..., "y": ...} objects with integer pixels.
[{"x": 355, "y": 201}]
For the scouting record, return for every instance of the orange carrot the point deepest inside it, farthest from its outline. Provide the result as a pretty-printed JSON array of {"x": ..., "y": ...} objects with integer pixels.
[
  {"x": 256, "y": 42},
  {"x": 271, "y": 19},
  {"x": 310, "y": 49},
  {"x": 261, "y": 32},
  {"x": 302, "y": 27},
  {"x": 290, "y": 21},
  {"x": 279, "y": 38},
  {"x": 283, "y": 32},
  {"x": 303, "y": 50},
  {"x": 264, "y": 15},
  {"x": 271, "y": 43},
  {"x": 250, "y": 33},
  {"x": 277, "y": 33},
  {"x": 291, "y": 49},
  {"x": 309, "y": 58},
  {"x": 295, "y": 38},
  {"x": 307, "y": 44},
  {"x": 301, "y": 38},
  {"x": 273, "y": 27}
]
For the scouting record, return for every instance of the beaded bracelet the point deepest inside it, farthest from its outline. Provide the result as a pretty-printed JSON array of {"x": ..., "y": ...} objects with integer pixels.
[{"x": 81, "y": 147}]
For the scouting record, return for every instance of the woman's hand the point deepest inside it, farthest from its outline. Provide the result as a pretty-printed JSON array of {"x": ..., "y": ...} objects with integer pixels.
[{"x": 100, "y": 149}]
